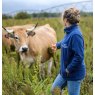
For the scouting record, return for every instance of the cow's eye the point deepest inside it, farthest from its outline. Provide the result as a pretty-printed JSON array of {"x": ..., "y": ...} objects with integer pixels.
[{"x": 16, "y": 38}]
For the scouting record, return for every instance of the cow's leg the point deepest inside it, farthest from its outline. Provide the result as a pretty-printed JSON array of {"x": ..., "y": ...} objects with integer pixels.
[
  {"x": 18, "y": 60},
  {"x": 50, "y": 66},
  {"x": 41, "y": 70},
  {"x": 39, "y": 66},
  {"x": 23, "y": 70}
]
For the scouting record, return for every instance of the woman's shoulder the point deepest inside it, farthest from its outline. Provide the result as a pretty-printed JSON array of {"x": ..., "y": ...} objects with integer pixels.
[{"x": 77, "y": 32}]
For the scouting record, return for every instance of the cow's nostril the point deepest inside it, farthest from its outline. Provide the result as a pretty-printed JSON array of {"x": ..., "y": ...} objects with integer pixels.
[{"x": 24, "y": 49}]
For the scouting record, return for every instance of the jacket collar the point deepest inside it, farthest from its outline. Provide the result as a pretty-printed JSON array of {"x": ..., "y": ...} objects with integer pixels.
[{"x": 69, "y": 29}]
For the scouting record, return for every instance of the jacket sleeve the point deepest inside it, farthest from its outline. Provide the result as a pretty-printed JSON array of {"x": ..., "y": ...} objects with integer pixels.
[
  {"x": 77, "y": 46},
  {"x": 58, "y": 44}
]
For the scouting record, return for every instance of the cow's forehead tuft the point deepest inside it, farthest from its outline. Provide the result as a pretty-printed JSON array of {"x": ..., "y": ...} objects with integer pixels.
[
  {"x": 20, "y": 32},
  {"x": 20, "y": 29}
]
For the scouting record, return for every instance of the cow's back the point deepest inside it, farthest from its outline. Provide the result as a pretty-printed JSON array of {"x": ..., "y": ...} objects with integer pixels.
[{"x": 44, "y": 38}]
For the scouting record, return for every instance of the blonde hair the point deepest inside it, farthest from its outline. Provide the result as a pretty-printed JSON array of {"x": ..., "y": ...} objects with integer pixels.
[{"x": 72, "y": 15}]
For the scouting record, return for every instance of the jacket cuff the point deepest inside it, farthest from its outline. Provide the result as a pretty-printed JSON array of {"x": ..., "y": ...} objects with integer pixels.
[
  {"x": 58, "y": 45},
  {"x": 67, "y": 71}
]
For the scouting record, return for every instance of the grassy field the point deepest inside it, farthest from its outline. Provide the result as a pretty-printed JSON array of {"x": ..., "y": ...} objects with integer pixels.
[{"x": 13, "y": 83}]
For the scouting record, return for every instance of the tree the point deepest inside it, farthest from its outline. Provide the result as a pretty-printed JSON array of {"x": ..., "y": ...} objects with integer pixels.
[{"x": 22, "y": 15}]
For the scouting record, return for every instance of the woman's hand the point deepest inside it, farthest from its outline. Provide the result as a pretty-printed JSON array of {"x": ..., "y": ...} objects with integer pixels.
[{"x": 54, "y": 48}]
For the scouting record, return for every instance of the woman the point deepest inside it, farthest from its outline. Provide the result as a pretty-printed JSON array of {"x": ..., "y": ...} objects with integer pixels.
[{"x": 72, "y": 66}]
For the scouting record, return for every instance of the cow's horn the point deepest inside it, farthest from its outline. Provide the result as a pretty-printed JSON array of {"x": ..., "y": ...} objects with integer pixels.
[
  {"x": 31, "y": 29},
  {"x": 9, "y": 31}
]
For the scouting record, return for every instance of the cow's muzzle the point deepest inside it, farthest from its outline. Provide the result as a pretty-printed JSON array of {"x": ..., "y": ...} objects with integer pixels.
[{"x": 23, "y": 49}]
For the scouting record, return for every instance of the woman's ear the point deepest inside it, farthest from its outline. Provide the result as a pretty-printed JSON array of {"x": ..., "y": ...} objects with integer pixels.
[{"x": 65, "y": 22}]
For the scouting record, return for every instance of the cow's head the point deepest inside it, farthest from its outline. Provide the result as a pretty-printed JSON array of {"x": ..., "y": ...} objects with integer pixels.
[{"x": 20, "y": 37}]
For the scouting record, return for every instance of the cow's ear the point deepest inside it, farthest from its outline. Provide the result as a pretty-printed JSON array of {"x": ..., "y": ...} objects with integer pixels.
[
  {"x": 9, "y": 35},
  {"x": 31, "y": 33},
  {"x": 12, "y": 35}
]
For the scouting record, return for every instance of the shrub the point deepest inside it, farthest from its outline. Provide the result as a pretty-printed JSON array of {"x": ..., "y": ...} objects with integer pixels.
[{"x": 5, "y": 16}]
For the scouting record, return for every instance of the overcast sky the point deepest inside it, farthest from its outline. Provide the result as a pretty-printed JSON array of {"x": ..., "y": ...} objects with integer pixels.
[{"x": 13, "y": 5}]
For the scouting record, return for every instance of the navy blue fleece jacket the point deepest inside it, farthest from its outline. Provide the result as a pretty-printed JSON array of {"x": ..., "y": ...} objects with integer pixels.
[{"x": 72, "y": 54}]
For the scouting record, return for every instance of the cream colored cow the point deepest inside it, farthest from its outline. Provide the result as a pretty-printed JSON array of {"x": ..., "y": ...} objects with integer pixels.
[{"x": 34, "y": 44}]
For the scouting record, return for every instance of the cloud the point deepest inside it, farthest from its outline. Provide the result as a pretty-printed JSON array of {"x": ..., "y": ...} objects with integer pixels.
[{"x": 13, "y": 5}]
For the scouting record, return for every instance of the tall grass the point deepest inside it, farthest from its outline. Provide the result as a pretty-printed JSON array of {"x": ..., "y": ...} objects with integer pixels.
[{"x": 13, "y": 82}]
